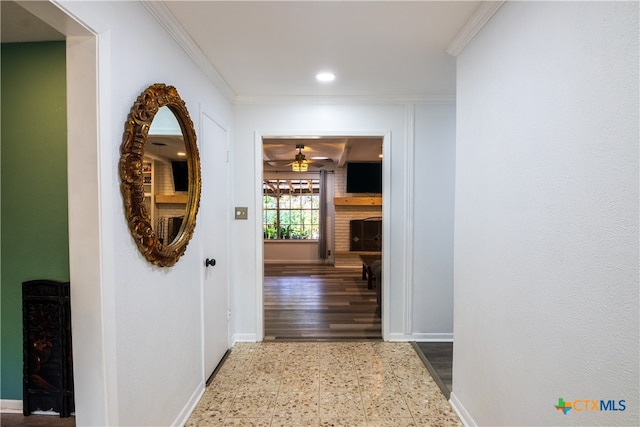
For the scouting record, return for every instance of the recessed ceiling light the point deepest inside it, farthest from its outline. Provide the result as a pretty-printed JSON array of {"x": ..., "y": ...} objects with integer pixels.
[
  {"x": 181, "y": 154},
  {"x": 325, "y": 76}
]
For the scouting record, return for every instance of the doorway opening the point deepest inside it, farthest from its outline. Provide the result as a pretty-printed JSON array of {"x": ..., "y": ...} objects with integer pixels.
[
  {"x": 49, "y": 23},
  {"x": 316, "y": 193}
]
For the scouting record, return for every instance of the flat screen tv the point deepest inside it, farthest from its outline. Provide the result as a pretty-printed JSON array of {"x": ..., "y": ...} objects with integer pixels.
[
  {"x": 364, "y": 177},
  {"x": 180, "y": 175}
]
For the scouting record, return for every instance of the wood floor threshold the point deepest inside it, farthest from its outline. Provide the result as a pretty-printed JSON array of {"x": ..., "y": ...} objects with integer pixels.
[{"x": 318, "y": 302}]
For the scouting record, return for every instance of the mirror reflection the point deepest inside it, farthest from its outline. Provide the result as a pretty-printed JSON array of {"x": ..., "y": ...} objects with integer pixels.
[
  {"x": 165, "y": 175},
  {"x": 152, "y": 174}
]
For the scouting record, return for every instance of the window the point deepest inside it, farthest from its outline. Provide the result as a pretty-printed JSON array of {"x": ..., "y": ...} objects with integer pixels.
[{"x": 291, "y": 208}]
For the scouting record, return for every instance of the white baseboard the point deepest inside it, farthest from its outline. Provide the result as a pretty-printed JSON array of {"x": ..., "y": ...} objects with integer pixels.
[
  {"x": 243, "y": 338},
  {"x": 399, "y": 337},
  {"x": 191, "y": 404},
  {"x": 10, "y": 406},
  {"x": 421, "y": 337},
  {"x": 464, "y": 416},
  {"x": 429, "y": 337}
]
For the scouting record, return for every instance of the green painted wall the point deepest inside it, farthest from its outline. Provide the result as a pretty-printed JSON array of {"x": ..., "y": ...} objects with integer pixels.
[{"x": 34, "y": 231}]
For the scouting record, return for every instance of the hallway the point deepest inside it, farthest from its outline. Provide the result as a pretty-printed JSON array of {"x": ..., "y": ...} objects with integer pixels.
[{"x": 323, "y": 384}]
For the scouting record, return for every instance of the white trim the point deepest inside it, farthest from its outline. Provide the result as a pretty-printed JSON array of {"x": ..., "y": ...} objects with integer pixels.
[
  {"x": 259, "y": 235},
  {"x": 344, "y": 100},
  {"x": 203, "y": 362},
  {"x": 191, "y": 404},
  {"x": 227, "y": 280},
  {"x": 432, "y": 337},
  {"x": 243, "y": 338},
  {"x": 106, "y": 175},
  {"x": 398, "y": 337},
  {"x": 87, "y": 59},
  {"x": 462, "y": 412},
  {"x": 386, "y": 235},
  {"x": 386, "y": 213},
  {"x": 94, "y": 366},
  {"x": 10, "y": 406},
  {"x": 409, "y": 124},
  {"x": 422, "y": 337},
  {"x": 65, "y": 23},
  {"x": 165, "y": 18},
  {"x": 479, "y": 19}
]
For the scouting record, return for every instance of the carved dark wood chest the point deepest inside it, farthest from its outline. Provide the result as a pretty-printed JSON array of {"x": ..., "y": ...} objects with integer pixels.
[
  {"x": 47, "y": 356},
  {"x": 366, "y": 234}
]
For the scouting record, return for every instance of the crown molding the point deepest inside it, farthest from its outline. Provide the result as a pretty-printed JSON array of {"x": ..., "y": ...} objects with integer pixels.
[
  {"x": 163, "y": 15},
  {"x": 483, "y": 14},
  {"x": 165, "y": 18},
  {"x": 346, "y": 100}
]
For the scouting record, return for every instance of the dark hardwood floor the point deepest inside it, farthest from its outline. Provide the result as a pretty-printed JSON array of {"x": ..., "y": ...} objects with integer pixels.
[
  {"x": 19, "y": 420},
  {"x": 318, "y": 302},
  {"x": 438, "y": 358}
]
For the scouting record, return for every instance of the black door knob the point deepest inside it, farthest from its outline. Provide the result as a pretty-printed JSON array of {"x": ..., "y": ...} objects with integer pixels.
[{"x": 209, "y": 262}]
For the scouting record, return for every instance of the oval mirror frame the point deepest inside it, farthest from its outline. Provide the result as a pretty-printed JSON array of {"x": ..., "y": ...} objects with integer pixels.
[{"x": 132, "y": 150}]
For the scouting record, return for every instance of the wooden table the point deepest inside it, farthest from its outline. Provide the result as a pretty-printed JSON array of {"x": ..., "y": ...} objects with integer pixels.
[{"x": 367, "y": 260}]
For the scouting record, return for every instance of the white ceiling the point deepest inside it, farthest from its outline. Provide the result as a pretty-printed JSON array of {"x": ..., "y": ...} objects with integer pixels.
[
  {"x": 383, "y": 49},
  {"x": 18, "y": 25},
  {"x": 375, "y": 48}
]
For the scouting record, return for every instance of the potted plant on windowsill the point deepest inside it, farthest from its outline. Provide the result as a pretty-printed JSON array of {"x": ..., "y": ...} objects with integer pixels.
[
  {"x": 285, "y": 232},
  {"x": 300, "y": 234},
  {"x": 270, "y": 232}
]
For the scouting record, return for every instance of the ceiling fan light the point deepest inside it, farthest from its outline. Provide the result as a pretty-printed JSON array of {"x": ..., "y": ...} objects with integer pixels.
[{"x": 301, "y": 166}]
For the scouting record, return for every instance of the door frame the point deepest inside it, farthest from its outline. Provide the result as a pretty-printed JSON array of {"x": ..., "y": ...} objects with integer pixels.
[
  {"x": 227, "y": 245},
  {"x": 88, "y": 123},
  {"x": 386, "y": 215}
]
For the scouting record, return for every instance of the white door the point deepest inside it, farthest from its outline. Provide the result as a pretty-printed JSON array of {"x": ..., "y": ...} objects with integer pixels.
[{"x": 213, "y": 217}]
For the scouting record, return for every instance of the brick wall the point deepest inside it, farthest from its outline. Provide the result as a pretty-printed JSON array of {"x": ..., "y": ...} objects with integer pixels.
[
  {"x": 163, "y": 178},
  {"x": 344, "y": 214},
  {"x": 163, "y": 183}
]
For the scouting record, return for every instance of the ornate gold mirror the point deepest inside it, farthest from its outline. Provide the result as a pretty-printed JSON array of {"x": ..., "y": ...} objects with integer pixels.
[{"x": 160, "y": 188}]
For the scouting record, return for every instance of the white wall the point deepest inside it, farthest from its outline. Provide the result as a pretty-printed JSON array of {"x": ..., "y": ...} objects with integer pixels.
[
  {"x": 137, "y": 328},
  {"x": 148, "y": 336},
  {"x": 344, "y": 119},
  {"x": 433, "y": 191},
  {"x": 546, "y": 215},
  {"x": 252, "y": 120},
  {"x": 291, "y": 252}
]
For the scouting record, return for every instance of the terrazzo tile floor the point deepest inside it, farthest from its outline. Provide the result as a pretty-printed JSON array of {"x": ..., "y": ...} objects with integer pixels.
[{"x": 323, "y": 384}]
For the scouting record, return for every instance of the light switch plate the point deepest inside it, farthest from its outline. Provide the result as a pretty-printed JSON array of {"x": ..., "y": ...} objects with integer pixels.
[{"x": 242, "y": 213}]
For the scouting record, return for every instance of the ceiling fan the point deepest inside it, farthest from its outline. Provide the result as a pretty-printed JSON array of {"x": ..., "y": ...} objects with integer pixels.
[{"x": 299, "y": 163}]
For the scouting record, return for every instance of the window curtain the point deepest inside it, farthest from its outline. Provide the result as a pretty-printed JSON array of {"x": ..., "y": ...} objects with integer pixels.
[{"x": 322, "y": 226}]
